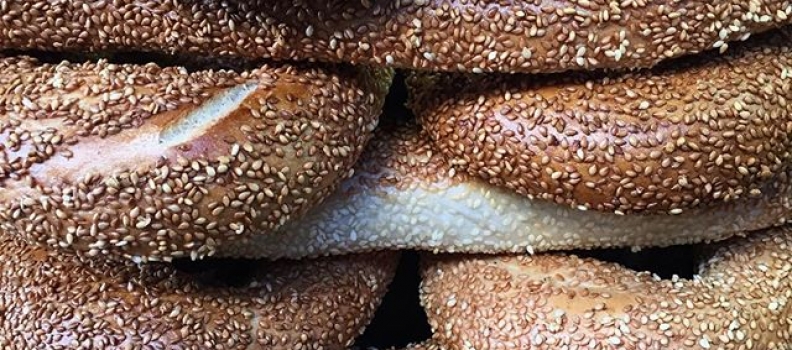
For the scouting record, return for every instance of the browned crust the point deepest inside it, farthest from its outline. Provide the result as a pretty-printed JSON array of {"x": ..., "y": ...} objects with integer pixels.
[
  {"x": 460, "y": 35},
  {"x": 57, "y": 301},
  {"x": 740, "y": 300},
  {"x": 694, "y": 132},
  {"x": 91, "y": 160}
]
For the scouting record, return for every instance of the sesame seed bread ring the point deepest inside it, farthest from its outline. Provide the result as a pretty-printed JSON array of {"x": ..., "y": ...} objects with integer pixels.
[
  {"x": 152, "y": 163},
  {"x": 473, "y": 36},
  {"x": 691, "y": 133},
  {"x": 404, "y": 195},
  {"x": 58, "y": 301},
  {"x": 740, "y": 300}
]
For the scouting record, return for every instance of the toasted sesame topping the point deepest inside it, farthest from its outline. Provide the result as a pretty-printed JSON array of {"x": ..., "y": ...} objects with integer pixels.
[
  {"x": 404, "y": 195},
  {"x": 55, "y": 300},
  {"x": 557, "y": 301},
  {"x": 688, "y": 134},
  {"x": 472, "y": 35},
  {"x": 154, "y": 163}
]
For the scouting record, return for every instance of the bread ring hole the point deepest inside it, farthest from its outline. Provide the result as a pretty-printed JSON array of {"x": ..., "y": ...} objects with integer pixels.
[{"x": 681, "y": 261}]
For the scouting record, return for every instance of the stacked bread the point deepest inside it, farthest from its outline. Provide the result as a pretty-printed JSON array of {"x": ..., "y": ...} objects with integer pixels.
[{"x": 206, "y": 174}]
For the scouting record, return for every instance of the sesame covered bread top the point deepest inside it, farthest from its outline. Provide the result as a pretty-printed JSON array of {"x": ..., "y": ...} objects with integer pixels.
[
  {"x": 691, "y": 133},
  {"x": 738, "y": 299},
  {"x": 530, "y": 36}
]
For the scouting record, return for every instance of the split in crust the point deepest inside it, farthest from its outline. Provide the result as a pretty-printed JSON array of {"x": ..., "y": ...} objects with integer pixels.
[
  {"x": 691, "y": 133},
  {"x": 739, "y": 300},
  {"x": 58, "y": 301},
  {"x": 153, "y": 163},
  {"x": 404, "y": 195},
  {"x": 529, "y": 36}
]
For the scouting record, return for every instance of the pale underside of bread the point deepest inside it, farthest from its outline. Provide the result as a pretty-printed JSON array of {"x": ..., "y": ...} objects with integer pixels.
[{"x": 473, "y": 36}]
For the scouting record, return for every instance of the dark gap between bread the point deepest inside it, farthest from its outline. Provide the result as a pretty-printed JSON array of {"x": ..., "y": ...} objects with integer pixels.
[
  {"x": 682, "y": 260},
  {"x": 401, "y": 319},
  {"x": 395, "y": 101},
  {"x": 226, "y": 272}
]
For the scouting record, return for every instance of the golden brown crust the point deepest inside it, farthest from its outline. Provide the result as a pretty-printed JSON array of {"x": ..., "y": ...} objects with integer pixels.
[
  {"x": 692, "y": 133},
  {"x": 154, "y": 163},
  {"x": 57, "y": 301},
  {"x": 461, "y": 35},
  {"x": 740, "y": 300}
]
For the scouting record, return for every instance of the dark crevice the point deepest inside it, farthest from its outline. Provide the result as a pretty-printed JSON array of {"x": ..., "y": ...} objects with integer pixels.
[
  {"x": 400, "y": 320},
  {"x": 682, "y": 261},
  {"x": 397, "y": 97},
  {"x": 219, "y": 272}
]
